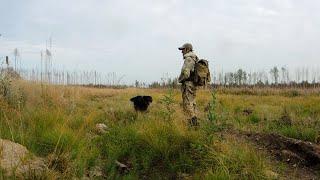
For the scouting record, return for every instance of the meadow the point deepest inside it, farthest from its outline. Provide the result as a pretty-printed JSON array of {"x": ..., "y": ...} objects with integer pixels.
[{"x": 58, "y": 123}]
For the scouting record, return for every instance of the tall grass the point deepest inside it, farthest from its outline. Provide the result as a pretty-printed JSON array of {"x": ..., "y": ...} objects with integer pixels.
[{"x": 58, "y": 123}]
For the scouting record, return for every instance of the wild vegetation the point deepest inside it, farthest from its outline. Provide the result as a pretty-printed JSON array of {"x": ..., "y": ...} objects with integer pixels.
[{"x": 58, "y": 123}]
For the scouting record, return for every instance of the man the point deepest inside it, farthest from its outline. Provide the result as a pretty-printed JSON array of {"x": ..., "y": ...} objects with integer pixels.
[{"x": 188, "y": 87}]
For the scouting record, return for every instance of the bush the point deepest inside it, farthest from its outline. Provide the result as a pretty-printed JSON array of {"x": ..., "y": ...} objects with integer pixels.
[
  {"x": 168, "y": 101},
  {"x": 13, "y": 95},
  {"x": 253, "y": 118}
]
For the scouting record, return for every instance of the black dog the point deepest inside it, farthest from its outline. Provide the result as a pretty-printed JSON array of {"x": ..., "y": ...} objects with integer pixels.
[{"x": 141, "y": 103}]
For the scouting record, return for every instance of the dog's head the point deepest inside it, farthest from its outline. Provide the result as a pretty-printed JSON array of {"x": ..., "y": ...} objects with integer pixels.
[
  {"x": 141, "y": 103},
  {"x": 147, "y": 99}
]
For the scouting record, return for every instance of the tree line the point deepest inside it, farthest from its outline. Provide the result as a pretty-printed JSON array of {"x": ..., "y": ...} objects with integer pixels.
[{"x": 274, "y": 77}]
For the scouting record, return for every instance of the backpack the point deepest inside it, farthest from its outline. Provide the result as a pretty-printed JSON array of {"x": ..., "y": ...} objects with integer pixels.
[{"x": 201, "y": 75}]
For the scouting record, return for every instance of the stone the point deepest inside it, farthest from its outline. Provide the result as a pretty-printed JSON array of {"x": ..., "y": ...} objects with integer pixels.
[
  {"x": 101, "y": 128},
  {"x": 16, "y": 160},
  {"x": 122, "y": 167}
]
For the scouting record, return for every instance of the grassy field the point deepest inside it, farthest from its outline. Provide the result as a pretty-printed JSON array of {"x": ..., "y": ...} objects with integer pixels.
[{"x": 58, "y": 123}]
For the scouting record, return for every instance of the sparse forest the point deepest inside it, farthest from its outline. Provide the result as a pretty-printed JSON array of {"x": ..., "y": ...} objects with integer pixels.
[
  {"x": 276, "y": 77},
  {"x": 86, "y": 128}
]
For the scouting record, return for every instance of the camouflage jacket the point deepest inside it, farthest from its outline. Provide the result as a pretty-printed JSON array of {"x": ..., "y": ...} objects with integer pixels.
[{"x": 188, "y": 66}]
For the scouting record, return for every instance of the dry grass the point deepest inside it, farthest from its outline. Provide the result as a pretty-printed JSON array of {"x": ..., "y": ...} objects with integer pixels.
[{"x": 57, "y": 122}]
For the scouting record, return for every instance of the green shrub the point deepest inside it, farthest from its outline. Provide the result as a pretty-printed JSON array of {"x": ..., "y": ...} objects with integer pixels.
[
  {"x": 253, "y": 118},
  {"x": 212, "y": 115},
  {"x": 168, "y": 101}
]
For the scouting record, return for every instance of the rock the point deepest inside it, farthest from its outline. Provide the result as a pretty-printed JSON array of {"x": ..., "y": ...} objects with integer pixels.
[
  {"x": 101, "y": 128},
  {"x": 122, "y": 167},
  {"x": 17, "y": 161}
]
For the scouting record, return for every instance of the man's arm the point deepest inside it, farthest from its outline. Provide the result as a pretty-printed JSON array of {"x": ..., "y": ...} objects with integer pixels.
[
  {"x": 187, "y": 67},
  {"x": 209, "y": 77}
]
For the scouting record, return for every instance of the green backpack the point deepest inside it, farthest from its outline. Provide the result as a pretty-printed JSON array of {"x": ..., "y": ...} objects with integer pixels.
[{"x": 201, "y": 73}]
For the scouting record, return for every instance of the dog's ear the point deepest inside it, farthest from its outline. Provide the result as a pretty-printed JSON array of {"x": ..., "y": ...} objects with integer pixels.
[
  {"x": 147, "y": 98},
  {"x": 134, "y": 99},
  {"x": 137, "y": 99}
]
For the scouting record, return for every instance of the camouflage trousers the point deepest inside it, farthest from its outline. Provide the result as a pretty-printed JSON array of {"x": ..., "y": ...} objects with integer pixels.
[{"x": 188, "y": 90}]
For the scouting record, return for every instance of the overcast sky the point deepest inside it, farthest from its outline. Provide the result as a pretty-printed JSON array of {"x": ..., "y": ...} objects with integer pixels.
[{"x": 139, "y": 39}]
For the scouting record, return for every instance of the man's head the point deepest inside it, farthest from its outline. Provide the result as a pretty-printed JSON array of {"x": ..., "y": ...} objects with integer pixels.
[{"x": 187, "y": 47}]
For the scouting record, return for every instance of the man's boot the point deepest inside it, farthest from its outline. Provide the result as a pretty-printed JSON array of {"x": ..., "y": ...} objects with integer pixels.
[{"x": 193, "y": 122}]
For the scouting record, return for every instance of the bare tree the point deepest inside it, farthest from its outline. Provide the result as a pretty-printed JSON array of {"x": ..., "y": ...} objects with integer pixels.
[
  {"x": 16, "y": 55},
  {"x": 283, "y": 75},
  {"x": 275, "y": 74}
]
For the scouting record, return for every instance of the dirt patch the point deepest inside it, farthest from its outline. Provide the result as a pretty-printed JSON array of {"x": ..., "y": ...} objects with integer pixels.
[
  {"x": 301, "y": 157},
  {"x": 247, "y": 112},
  {"x": 293, "y": 151}
]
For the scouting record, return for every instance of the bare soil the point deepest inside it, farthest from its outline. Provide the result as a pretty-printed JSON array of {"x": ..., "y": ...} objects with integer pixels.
[{"x": 302, "y": 157}]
